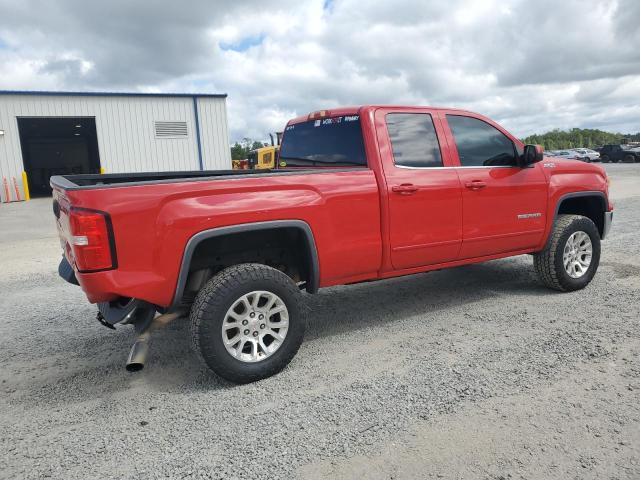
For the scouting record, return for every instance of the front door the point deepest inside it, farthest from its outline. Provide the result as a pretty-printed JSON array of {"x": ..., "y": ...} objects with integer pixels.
[
  {"x": 504, "y": 205},
  {"x": 425, "y": 204}
]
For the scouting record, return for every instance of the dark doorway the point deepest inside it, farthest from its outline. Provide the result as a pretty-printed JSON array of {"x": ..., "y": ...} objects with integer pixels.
[{"x": 57, "y": 146}]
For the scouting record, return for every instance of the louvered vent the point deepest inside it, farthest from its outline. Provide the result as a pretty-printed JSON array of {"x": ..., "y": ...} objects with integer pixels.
[{"x": 171, "y": 129}]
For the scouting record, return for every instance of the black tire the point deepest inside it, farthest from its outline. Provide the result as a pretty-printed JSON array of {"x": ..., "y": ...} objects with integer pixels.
[
  {"x": 605, "y": 158},
  {"x": 214, "y": 300},
  {"x": 549, "y": 262},
  {"x": 587, "y": 159},
  {"x": 629, "y": 159}
]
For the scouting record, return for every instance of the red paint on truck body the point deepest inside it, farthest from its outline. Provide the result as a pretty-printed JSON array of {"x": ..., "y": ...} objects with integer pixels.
[{"x": 365, "y": 228}]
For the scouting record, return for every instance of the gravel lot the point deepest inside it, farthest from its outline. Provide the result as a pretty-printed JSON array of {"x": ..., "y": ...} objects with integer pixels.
[{"x": 475, "y": 372}]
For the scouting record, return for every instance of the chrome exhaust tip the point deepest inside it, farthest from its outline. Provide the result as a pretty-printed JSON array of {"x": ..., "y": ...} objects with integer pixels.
[
  {"x": 138, "y": 355},
  {"x": 140, "y": 348}
]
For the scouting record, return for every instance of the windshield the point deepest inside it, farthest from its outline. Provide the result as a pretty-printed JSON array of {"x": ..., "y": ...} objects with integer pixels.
[{"x": 329, "y": 142}]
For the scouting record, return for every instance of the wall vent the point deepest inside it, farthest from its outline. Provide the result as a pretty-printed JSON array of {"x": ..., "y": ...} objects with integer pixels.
[{"x": 171, "y": 129}]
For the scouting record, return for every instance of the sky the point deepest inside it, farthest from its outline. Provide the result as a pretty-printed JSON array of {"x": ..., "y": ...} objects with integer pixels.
[{"x": 531, "y": 65}]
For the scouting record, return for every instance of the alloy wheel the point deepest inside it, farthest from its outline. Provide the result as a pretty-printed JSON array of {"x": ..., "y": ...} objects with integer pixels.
[
  {"x": 255, "y": 326},
  {"x": 577, "y": 254}
]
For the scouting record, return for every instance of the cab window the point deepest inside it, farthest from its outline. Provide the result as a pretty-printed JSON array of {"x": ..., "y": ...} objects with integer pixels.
[
  {"x": 413, "y": 140},
  {"x": 480, "y": 144},
  {"x": 324, "y": 142}
]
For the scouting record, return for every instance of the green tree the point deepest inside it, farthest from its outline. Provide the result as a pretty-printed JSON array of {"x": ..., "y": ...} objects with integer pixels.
[
  {"x": 240, "y": 150},
  {"x": 237, "y": 152},
  {"x": 577, "y": 137}
]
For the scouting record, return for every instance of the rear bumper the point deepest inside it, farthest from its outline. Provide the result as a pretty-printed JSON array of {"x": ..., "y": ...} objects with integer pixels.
[
  {"x": 120, "y": 310},
  {"x": 608, "y": 218},
  {"x": 65, "y": 270}
]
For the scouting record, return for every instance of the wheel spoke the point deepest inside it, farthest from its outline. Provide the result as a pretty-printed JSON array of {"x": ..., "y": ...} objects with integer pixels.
[
  {"x": 230, "y": 342},
  {"x": 263, "y": 346},
  {"x": 240, "y": 348},
  {"x": 585, "y": 260},
  {"x": 276, "y": 309},
  {"x": 276, "y": 335},
  {"x": 231, "y": 325},
  {"x": 283, "y": 323},
  {"x": 254, "y": 349},
  {"x": 256, "y": 299},
  {"x": 246, "y": 303},
  {"x": 272, "y": 300}
]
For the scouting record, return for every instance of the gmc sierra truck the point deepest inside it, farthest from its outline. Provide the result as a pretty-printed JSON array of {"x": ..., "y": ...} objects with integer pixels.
[{"x": 363, "y": 193}]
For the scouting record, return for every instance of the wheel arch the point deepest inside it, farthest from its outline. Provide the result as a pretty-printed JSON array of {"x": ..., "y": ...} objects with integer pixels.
[
  {"x": 591, "y": 204},
  {"x": 311, "y": 254}
]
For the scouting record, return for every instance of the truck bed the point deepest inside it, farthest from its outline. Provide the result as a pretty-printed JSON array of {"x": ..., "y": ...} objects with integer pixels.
[
  {"x": 89, "y": 181},
  {"x": 154, "y": 216}
]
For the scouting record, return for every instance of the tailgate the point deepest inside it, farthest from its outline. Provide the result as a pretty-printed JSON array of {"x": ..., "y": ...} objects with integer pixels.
[{"x": 61, "y": 208}]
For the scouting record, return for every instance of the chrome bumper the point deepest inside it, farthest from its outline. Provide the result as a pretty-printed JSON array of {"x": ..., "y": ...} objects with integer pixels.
[{"x": 608, "y": 218}]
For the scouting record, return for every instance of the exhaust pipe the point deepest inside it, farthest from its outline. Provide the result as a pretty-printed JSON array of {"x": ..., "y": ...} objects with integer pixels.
[
  {"x": 140, "y": 348},
  {"x": 138, "y": 353}
]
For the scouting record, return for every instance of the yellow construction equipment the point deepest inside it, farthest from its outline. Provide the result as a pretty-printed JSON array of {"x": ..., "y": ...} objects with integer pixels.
[{"x": 262, "y": 158}]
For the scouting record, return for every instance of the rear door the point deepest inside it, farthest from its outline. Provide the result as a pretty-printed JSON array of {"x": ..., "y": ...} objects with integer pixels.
[
  {"x": 425, "y": 204},
  {"x": 504, "y": 205}
]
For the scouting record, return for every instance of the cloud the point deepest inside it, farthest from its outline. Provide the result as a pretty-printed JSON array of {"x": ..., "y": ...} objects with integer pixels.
[{"x": 532, "y": 66}]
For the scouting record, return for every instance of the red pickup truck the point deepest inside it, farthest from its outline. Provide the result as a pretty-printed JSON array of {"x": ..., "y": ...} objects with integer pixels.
[{"x": 364, "y": 193}]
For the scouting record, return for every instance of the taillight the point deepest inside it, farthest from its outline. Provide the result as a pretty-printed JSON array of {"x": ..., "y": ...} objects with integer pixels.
[{"x": 91, "y": 240}]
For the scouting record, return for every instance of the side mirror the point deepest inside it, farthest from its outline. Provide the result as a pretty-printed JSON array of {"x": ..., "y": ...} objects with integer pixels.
[{"x": 532, "y": 154}]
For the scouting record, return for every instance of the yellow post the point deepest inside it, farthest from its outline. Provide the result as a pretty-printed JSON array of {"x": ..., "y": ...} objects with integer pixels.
[
  {"x": 25, "y": 186},
  {"x": 102, "y": 171}
]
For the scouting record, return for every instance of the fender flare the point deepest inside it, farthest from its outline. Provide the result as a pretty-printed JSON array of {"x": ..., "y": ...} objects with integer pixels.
[{"x": 313, "y": 264}]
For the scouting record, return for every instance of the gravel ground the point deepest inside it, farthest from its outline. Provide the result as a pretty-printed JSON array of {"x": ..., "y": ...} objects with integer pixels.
[{"x": 475, "y": 372}]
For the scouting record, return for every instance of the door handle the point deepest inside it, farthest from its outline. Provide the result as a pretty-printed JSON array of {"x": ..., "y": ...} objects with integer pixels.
[
  {"x": 405, "y": 189},
  {"x": 475, "y": 184}
]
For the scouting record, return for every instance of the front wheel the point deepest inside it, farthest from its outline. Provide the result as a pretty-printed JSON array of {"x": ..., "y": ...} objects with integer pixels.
[
  {"x": 247, "y": 323},
  {"x": 605, "y": 158},
  {"x": 572, "y": 254}
]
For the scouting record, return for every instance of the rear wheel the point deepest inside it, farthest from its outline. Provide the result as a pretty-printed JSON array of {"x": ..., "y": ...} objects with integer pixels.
[
  {"x": 246, "y": 322},
  {"x": 587, "y": 159},
  {"x": 572, "y": 254},
  {"x": 605, "y": 158},
  {"x": 629, "y": 158}
]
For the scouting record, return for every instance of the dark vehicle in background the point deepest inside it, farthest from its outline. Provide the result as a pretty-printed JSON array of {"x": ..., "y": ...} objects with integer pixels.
[{"x": 615, "y": 153}]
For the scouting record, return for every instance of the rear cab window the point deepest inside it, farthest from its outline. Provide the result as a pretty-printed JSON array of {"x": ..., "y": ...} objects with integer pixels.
[
  {"x": 324, "y": 142},
  {"x": 413, "y": 140}
]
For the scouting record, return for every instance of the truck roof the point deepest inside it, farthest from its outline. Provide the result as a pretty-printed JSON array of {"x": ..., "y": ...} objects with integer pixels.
[{"x": 355, "y": 110}]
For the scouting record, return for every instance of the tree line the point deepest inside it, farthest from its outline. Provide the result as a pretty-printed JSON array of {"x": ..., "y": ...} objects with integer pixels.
[
  {"x": 240, "y": 150},
  {"x": 579, "y": 137}
]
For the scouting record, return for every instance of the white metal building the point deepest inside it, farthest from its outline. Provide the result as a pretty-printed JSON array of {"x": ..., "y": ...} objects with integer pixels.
[{"x": 54, "y": 133}]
